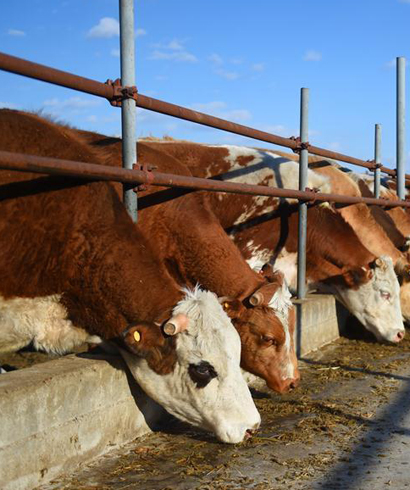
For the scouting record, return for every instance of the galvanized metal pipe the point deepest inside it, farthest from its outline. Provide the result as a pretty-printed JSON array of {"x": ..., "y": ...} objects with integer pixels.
[
  {"x": 400, "y": 122},
  {"x": 128, "y": 109},
  {"x": 65, "y": 79},
  {"x": 92, "y": 172},
  {"x": 377, "y": 159},
  {"x": 303, "y": 179}
]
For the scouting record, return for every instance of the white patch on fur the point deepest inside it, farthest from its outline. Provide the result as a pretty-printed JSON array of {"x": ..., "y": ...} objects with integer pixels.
[
  {"x": 287, "y": 263},
  {"x": 41, "y": 320},
  {"x": 259, "y": 256},
  {"x": 368, "y": 180},
  {"x": 274, "y": 169},
  {"x": 225, "y": 405},
  {"x": 280, "y": 303}
]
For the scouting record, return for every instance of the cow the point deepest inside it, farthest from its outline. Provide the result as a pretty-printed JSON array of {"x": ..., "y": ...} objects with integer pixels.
[
  {"x": 72, "y": 258},
  {"x": 265, "y": 229},
  {"x": 191, "y": 242}
]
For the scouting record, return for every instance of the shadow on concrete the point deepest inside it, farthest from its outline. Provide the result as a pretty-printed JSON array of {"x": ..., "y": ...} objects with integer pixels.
[
  {"x": 154, "y": 415},
  {"x": 356, "y": 370},
  {"x": 365, "y": 458}
]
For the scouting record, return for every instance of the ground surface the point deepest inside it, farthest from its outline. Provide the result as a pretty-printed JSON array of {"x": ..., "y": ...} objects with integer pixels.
[{"x": 346, "y": 427}]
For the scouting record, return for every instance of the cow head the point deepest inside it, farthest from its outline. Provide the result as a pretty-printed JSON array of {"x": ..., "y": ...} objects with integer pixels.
[
  {"x": 266, "y": 321},
  {"x": 402, "y": 269},
  {"x": 372, "y": 294},
  {"x": 190, "y": 366}
]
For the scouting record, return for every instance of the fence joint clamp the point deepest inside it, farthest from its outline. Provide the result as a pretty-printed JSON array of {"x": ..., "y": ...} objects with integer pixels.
[
  {"x": 147, "y": 169},
  {"x": 121, "y": 93},
  {"x": 299, "y": 145}
]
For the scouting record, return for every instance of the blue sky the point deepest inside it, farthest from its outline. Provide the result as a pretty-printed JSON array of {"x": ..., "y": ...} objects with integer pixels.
[{"x": 241, "y": 60}]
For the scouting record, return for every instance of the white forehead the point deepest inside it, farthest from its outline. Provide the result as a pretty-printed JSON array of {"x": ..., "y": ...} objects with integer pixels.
[
  {"x": 210, "y": 335},
  {"x": 385, "y": 278}
]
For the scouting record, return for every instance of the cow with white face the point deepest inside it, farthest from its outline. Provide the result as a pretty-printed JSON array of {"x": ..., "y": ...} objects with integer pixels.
[
  {"x": 189, "y": 239},
  {"x": 373, "y": 293},
  {"x": 74, "y": 263},
  {"x": 266, "y": 229},
  {"x": 194, "y": 373}
]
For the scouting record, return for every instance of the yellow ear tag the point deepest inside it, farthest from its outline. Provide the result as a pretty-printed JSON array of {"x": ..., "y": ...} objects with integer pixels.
[
  {"x": 226, "y": 305},
  {"x": 137, "y": 336}
]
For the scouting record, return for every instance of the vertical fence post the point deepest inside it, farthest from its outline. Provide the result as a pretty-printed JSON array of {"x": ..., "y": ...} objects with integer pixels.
[
  {"x": 303, "y": 171},
  {"x": 128, "y": 108},
  {"x": 377, "y": 159},
  {"x": 400, "y": 121}
]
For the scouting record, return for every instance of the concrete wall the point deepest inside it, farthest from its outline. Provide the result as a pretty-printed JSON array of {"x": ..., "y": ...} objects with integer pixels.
[
  {"x": 56, "y": 415},
  {"x": 316, "y": 322},
  {"x": 59, "y": 414}
]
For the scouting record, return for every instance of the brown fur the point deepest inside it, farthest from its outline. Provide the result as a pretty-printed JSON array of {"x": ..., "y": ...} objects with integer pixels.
[
  {"x": 76, "y": 239},
  {"x": 189, "y": 238}
]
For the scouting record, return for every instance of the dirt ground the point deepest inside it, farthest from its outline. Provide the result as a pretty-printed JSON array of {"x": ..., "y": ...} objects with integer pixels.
[{"x": 329, "y": 433}]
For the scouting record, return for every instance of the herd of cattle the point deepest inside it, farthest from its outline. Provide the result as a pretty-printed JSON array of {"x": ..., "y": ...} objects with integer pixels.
[{"x": 198, "y": 289}]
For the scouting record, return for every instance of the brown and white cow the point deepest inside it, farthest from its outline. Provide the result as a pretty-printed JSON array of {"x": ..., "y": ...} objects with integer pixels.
[
  {"x": 266, "y": 229},
  {"x": 72, "y": 259},
  {"x": 188, "y": 237}
]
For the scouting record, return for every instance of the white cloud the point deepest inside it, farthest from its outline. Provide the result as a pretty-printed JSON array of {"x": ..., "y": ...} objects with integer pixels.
[
  {"x": 161, "y": 78},
  {"x": 228, "y": 75},
  {"x": 236, "y": 61},
  {"x": 219, "y": 109},
  {"x": 73, "y": 104},
  {"x": 215, "y": 59},
  {"x": 107, "y": 27},
  {"x": 312, "y": 55},
  {"x": 115, "y": 53},
  {"x": 8, "y": 105},
  {"x": 16, "y": 33},
  {"x": 392, "y": 63},
  {"x": 213, "y": 106},
  {"x": 173, "y": 51},
  {"x": 91, "y": 118},
  {"x": 259, "y": 67},
  {"x": 278, "y": 129},
  {"x": 183, "y": 56},
  {"x": 335, "y": 146},
  {"x": 404, "y": 1},
  {"x": 140, "y": 32}
]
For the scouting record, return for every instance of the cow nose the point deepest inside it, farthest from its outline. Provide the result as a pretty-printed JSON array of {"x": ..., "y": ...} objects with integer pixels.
[
  {"x": 249, "y": 432},
  {"x": 399, "y": 336},
  {"x": 293, "y": 384}
]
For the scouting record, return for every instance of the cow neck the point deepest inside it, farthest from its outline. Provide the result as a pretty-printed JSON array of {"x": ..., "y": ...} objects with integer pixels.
[
  {"x": 87, "y": 249},
  {"x": 332, "y": 243}
]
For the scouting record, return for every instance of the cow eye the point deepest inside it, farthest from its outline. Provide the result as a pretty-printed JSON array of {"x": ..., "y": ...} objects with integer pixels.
[
  {"x": 202, "y": 373},
  {"x": 269, "y": 340},
  {"x": 385, "y": 294}
]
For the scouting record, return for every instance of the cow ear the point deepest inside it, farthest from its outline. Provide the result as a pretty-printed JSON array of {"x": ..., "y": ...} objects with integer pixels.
[
  {"x": 379, "y": 262},
  {"x": 146, "y": 340},
  {"x": 232, "y": 307},
  {"x": 357, "y": 276}
]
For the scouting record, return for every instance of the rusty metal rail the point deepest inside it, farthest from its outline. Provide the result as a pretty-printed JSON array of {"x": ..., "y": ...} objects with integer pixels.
[
  {"x": 114, "y": 93},
  {"x": 92, "y": 171}
]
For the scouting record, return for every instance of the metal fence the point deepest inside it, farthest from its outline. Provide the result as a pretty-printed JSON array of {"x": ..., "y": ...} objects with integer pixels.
[{"x": 123, "y": 93}]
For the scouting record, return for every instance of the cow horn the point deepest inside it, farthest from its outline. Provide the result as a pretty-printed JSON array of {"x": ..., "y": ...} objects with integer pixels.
[{"x": 176, "y": 324}]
